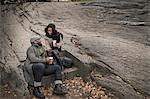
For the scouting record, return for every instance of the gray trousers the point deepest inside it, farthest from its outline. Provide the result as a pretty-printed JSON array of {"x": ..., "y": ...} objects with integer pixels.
[{"x": 40, "y": 70}]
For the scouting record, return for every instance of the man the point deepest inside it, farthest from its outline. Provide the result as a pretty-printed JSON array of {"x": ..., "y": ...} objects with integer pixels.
[{"x": 39, "y": 64}]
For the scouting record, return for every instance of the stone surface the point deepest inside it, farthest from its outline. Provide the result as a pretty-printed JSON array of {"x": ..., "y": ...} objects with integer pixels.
[
  {"x": 121, "y": 50},
  {"x": 9, "y": 63}
]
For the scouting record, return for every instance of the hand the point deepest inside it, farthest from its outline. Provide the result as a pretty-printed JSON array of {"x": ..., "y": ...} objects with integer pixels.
[
  {"x": 49, "y": 60},
  {"x": 58, "y": 44},
  {"x": 50, "y": 50}
]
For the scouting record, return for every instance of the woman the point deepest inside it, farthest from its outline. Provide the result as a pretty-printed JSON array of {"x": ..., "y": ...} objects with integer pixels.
[
  {"x": 57, "y": 37},
  {"x": 57, "y": 41}
]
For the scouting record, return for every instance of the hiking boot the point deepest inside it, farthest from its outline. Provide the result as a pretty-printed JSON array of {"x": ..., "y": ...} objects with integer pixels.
[
  {"x": 37, "y": 93},
  {"x": 58, "y": 90}
]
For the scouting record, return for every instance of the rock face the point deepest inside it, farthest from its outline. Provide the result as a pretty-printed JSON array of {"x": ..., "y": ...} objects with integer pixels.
[
  {"x": 110, "y": 35},
  {"x": 121, "y": 45},
  {"x": 11, "y": 73},
  {"x": 122, "y": 48}
]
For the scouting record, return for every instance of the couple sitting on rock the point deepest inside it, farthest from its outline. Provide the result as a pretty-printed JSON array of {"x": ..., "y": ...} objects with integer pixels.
[{"x": 40, "y": 62}]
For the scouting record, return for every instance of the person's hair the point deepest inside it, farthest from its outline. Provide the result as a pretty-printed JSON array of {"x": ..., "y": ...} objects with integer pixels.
[{"x": 50, "y": 26}]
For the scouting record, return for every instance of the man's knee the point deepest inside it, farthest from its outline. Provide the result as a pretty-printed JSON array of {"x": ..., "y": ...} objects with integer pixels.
[
  {"x": 38, "y": 66},
  {"x": 57, "y": 67}
]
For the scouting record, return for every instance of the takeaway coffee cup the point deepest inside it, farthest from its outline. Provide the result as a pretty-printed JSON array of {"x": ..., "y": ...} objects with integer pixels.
[
  {"x": 51, "y": 58},
  {"x": 54, "y": 43}
]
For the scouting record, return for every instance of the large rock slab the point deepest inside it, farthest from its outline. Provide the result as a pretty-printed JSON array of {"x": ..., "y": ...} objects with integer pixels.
[
  {"x": 91, "y": 37},
  {"x": 125, "y": 59}
]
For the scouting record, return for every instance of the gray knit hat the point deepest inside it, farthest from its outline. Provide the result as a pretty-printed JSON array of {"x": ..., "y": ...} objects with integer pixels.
[{"x": 34, "y": 39}]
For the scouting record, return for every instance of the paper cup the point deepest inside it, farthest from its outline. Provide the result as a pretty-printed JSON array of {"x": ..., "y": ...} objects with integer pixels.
[
  {"x": 51, "y": 58},
  {"x": 54, "y": 43}
]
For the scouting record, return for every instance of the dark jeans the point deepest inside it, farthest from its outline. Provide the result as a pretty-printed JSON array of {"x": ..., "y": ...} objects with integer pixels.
[{"x": 40, "y": 69}]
